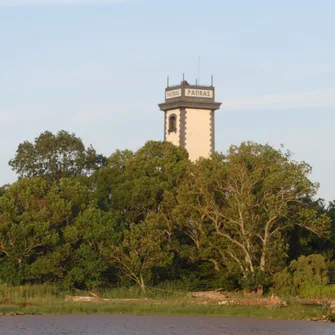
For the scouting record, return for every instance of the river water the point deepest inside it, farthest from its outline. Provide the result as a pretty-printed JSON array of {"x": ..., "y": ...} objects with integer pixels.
[{"x": 155, "y": 325}]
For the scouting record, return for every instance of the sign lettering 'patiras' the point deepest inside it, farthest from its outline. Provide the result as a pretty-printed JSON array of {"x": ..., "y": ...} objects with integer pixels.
[
  {"x": 198, "y": 93},
  {"x": 190, "y": 92},
  {"x": 173, "y": 94}
]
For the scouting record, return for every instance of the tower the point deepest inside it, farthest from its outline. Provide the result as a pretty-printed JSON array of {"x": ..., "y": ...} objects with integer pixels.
[{"x": 189, "y": 118}]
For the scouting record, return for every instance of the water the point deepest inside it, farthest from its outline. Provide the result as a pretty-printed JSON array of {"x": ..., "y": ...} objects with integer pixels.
[{"x": 155, "y": 325}]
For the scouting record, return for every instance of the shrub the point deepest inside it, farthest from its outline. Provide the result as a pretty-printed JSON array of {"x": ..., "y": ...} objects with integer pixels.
[{"x": 302, "y": 277}]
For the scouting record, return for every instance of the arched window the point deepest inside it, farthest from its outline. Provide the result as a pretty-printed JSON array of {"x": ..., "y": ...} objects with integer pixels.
[{"x": 172, "y": 122}]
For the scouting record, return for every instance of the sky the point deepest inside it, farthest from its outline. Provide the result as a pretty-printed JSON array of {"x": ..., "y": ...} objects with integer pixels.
[{"x": 99, "y": 68}]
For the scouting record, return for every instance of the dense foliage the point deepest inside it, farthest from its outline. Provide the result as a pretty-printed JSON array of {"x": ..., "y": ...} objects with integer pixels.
[{"x": 240, "y": 220}]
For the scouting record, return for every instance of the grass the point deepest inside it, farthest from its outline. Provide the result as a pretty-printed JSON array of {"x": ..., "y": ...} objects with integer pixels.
[
  {"x": 45, "y": 299},
  {"x": 297, "y": 312},
  {"x": 318, "y": 292}
]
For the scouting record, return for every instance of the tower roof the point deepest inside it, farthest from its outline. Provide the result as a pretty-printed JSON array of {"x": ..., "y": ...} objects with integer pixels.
[{"x": 185, "y": 95}]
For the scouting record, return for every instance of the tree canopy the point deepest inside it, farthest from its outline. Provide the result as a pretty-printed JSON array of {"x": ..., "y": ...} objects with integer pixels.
[
  {"x": 239, "y": 220},
  {"x": 242, "y": 205},
  {"x": 55, "y": 157}
]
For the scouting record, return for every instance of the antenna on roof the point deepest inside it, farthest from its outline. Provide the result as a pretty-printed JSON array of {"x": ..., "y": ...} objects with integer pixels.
[
  {"x": 199, "y": 64},
  {"x": 183, "y": 77},
  {"x": 168, "y": 81},
  {"x": 212, "y": 80}
]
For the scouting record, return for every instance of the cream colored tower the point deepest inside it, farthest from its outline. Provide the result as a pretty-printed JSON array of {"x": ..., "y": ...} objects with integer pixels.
[{"x": 189, "y": 118}]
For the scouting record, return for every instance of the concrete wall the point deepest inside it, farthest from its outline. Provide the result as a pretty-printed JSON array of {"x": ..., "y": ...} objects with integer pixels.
[{"x": 199, "y": 133}]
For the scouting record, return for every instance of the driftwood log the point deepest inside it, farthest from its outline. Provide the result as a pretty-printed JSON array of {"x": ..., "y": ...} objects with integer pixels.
[
  {"x": 95, "y": 298},
  {"x": 217, "y": 297},
  {"x": 92, "y": 298},
  {"x": 212, "y": 295}
]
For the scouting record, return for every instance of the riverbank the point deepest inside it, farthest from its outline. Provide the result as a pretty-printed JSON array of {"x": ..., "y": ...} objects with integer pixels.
[
  {"x": 166, "y": 307},
  {"x": 51, "y": 300}
]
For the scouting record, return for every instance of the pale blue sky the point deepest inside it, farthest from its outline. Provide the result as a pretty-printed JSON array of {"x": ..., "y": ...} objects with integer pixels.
[{"x": 99, "y": 68}]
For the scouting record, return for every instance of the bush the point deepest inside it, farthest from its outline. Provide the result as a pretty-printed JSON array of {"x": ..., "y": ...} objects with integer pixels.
[{"x": 302, "y": 277}]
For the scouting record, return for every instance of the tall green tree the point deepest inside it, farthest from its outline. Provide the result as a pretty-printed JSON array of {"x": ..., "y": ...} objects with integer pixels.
[
  {"x": 304, "y": 242},
  {"x": 135, "y": 185},
  {"x": 82, "y": 259},
  {"x": 143, "y": 248},
  {"x": 241, "y": 205},
  {"x": 31, "y": 211},
  {"x": 55, "y": 157}
]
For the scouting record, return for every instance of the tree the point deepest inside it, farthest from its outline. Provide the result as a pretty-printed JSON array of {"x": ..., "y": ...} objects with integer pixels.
[
  {"x": 239, "y": 207},
  {"x": 331, "y": 213},
  {"x": 4, "y": 189},
  {"x": 31, "y": 211},
  {"x": 153, "y": 175},
  {"x": 108, "y": 182},
  {"x": 55, "y": 157},
  {"x": 143, "y": 248},
  {"x": 134, "y": 185},
  {"x": 82, "y": 260},
  {"x": 304, "y": 242}
]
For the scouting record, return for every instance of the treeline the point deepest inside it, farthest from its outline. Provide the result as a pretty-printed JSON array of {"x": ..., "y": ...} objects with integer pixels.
[{"x": 236, "y": 221}]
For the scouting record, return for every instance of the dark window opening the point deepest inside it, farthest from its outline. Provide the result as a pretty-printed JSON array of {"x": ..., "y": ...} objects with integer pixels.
[{"x": 172, "y": 123}]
